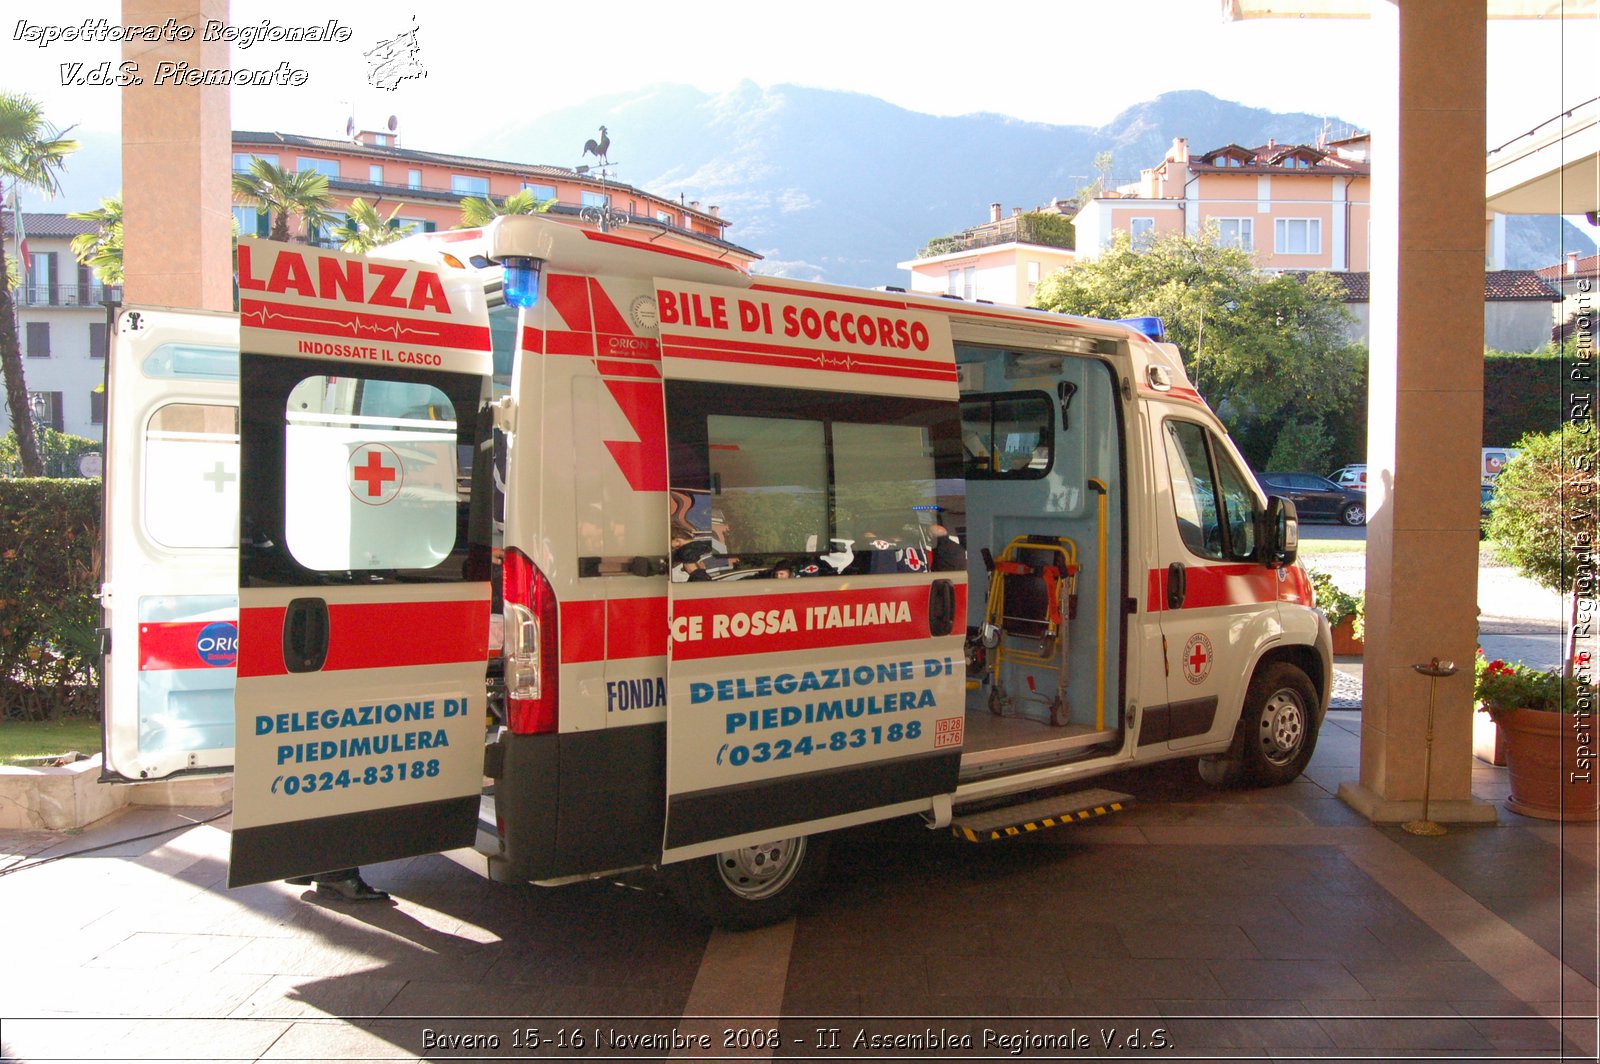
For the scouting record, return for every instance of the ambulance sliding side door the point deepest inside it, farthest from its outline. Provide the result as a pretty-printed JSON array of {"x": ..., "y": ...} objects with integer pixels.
[
  {"x": 363, "y": 624},
  {"x": 815, "y": 673}
]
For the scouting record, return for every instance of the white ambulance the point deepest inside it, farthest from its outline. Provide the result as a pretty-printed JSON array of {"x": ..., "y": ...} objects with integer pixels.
[{"x": 773, "y": 558}]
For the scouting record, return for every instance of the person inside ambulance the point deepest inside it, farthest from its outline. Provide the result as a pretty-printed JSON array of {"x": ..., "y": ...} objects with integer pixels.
[
  {"x": 689, "y": 554},
  {"x": 344, "y": 884}
]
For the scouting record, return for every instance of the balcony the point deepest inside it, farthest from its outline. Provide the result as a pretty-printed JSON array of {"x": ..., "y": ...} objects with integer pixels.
[{"x": 66, "y": 295}]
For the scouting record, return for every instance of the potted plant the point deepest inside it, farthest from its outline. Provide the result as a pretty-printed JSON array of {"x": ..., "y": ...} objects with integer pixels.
[
  {"x": 1346, "y": 613},
  {"x": 1547, "y": 723}
]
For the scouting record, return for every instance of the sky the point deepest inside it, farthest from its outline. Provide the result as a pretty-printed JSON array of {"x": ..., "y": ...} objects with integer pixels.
[{"x": 1076, "y": 62}]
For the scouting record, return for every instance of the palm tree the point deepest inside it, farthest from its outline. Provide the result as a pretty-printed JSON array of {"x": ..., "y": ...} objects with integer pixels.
[
  {"x": 101, "y": 250},
  {"x": 364, "y": 228},
  {"x": 476, "y": 211},
  {"x": 284, "y": 192},
  {"x": 32, "y": 153}
]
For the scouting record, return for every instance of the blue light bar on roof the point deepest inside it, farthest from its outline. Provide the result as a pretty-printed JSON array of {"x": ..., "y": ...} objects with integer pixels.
[
  {"x": 1148, "y": 326},
  {"x": 521, "y": 285}
]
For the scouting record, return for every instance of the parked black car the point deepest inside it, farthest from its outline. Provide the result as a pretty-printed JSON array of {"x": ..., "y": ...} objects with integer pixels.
[{"x": 1317, "y": 497}]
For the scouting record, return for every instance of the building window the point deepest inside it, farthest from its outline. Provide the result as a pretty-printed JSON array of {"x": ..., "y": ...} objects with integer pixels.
[
  {"x": 97, "y": 406},
  {"x": 413, "y": 178},
  {"x": 539, "y": 192},
  {"x": 251, "y": 222},
  {"x": 467, "y": 185},
  {"x": 1236, "y": 233},
  {"x": 38, "y": 339},
  {"x": 666, "y": 218},
  {"x": 242, "y": 160},
  {"x": 97, "y": 339},
  {"x": 374, "y": 174},
  {"x": 1033, "y": 277},
  {"x": 1297, "y": 236},
  {"x": 43, "y": 284},
  {"x": 1141, "y": 231},
  {"x": 596, "y": 199},
  {"x": 328, "y": 168},
  {"x": 1295, "y": 162}
]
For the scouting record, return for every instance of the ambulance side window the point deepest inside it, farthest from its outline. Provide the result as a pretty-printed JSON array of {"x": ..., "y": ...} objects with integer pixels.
[
  {"x": 809, "y": 483},
  {"x": 1212, "y": 523},
  {"x": 191, "y": 476},
  {"x": 1007, "y": 437},
  {"x": 370, "y": 474}
]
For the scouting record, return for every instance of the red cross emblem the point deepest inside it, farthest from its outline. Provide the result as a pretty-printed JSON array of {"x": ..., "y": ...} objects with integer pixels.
[
  {"x": 1197, "y": 658},
  {"x": 375, "y": 473}
]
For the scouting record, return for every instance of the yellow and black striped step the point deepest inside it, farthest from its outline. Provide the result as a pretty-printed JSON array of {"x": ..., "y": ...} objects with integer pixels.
[{"x": 1013, "y": 820}]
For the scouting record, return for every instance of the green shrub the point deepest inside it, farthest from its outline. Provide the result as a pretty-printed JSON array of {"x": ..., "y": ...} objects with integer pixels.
[
  {"x": 1338, "y": 605},
  {"x": 1543, "y": 515},
  {"x": 49, "y": 649},
  {"x": 59, "y": 451},
  {"x": 1521, "y": 394}
]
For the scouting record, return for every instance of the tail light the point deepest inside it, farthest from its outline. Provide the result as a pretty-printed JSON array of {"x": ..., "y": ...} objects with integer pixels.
[{"x": 532, "y": 667}]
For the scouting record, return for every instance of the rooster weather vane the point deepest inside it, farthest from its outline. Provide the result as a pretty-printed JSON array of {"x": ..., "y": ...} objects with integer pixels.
[{"x": 601, "y": 214}]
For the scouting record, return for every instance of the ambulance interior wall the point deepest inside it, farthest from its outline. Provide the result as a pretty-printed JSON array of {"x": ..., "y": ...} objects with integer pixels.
[{"x": 1060, "y": 503}]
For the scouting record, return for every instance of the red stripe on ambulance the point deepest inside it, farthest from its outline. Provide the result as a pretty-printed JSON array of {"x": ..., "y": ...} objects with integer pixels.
[
  {"x": 1216, "y": 585},
  {"x": 613, "y": 629},
  {"x": 753, "y": 354},
  {"x": 361, "y": 325},
  {"x": 373, "y": 636}
]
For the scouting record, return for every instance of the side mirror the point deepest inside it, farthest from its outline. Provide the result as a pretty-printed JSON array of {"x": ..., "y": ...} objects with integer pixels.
[{"x": 1280, "y": 541}]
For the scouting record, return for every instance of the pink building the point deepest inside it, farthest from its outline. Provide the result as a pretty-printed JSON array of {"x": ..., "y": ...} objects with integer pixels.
[{"x": 1292, "y": 206}]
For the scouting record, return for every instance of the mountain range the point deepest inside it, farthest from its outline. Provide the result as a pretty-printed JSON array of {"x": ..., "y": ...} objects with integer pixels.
[{"x": 839, "y": 186}]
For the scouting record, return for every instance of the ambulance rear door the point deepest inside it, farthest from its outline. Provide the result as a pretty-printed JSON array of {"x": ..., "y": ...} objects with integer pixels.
[
  {"x": 171, "y": 543},
  {"x": 363, "y": 608},
  {"x": 817, "y": 601}
]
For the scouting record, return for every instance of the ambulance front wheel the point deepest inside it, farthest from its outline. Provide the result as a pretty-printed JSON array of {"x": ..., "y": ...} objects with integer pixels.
[
  {"x": 752, "y": 886},
  {"x": 1279, "y": 726}
]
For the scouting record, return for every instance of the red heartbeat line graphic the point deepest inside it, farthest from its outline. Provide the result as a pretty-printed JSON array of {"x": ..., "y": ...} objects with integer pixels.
[{"x": 357, "y": 325}]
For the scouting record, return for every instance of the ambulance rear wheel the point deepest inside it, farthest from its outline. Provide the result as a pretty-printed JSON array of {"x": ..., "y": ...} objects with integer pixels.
[
  {"x": 1279, "y": 726},
  {"x": 752, "y": 886}
]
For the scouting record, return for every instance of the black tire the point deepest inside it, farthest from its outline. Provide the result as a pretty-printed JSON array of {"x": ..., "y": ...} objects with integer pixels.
[
  {"x": 751, "y": 886},
  {"x": 1278, "y": 728},
  {"x": 1354, "y": 514}
]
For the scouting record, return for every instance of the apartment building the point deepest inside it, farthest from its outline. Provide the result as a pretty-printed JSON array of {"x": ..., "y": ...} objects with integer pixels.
[
  {"x": 61, "y": 326},
  {"x": 1292, "y": 206},
  {"x": 428, "y": 187}
]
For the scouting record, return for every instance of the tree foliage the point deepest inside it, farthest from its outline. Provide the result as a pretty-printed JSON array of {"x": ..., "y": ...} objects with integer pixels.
[
  {"x": 481, "y": 210},
  {"x": 32, "y": 154},
  {"x": 1543, "y": 515},
  {"x": 284, "y": 193},
  {"x": 364, "y": 228},
  {"x": 1266, "y": 350},
  {"x": 101, "y": 251}
]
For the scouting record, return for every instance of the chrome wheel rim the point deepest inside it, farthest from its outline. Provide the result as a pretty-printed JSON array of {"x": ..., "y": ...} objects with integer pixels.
[
  {"x": 1355, "y": 515},
  {"x": 755, "y": 873},
  {"x": 1283, "y": 727}
]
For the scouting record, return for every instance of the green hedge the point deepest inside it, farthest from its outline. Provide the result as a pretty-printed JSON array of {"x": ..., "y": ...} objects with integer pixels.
[
  {"x": 1521, "y": 394},
  {"x": 59, "y": 451},
  {"x": 49, "y": 652}
]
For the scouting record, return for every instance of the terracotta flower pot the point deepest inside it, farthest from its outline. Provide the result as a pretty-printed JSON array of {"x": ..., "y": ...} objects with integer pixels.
[
  {"x": 1550, "y": 757},
  {"x": 1345, "y": 643}
]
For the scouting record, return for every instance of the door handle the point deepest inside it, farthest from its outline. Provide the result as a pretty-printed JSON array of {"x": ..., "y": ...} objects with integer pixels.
[
  {"x": 1177, "y": 585},
  {"x": 305, "y": 635},
  {"x": 941, "y": 607}
]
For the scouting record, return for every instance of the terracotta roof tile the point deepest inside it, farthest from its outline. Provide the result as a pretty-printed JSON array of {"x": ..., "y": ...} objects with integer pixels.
[
  {"x": 1518, "y": 284},
  {"x": 1587, "y": 267},
  {"x": 1497, "y": 285},
  {"x": 41, "y": 224}
]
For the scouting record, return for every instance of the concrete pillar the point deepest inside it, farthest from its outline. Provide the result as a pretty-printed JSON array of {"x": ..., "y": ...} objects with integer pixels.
[
  {"x": 1425, "y": 406},
  {"x": 177, "y": 203}
]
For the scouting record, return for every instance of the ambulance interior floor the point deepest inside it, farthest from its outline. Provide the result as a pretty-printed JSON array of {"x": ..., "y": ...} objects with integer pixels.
[{"x": 1199, "y": 924}]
